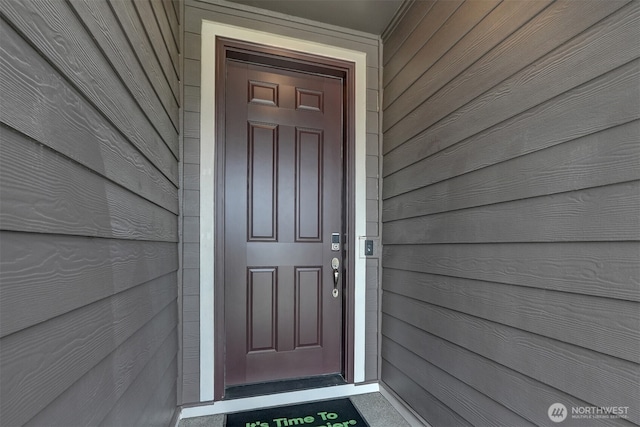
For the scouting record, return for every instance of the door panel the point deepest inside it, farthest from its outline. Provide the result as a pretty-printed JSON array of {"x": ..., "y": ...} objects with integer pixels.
[
  {"x": 283, "y": 196},
  {"x": 262, "y": 172},
  {"x": 308, "y": 176},
  {"x": 308, "y": 307}
]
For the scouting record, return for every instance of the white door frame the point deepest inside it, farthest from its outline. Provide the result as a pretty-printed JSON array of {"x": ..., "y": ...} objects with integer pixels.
[{"x": 210, "y": 31}]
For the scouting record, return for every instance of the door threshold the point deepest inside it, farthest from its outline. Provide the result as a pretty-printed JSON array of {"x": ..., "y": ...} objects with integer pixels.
[
  {"x": 288, "y": 398},
  {"x": 274, "y": 387}
]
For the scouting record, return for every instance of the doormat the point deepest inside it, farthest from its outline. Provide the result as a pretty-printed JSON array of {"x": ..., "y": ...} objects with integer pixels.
[{"x": 327, "y": 413}]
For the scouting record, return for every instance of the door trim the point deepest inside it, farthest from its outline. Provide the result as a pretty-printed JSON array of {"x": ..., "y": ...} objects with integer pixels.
[{"x": 210, "y": 389}]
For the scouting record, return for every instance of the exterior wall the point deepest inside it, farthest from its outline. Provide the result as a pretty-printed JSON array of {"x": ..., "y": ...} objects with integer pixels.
[
  {"x": 242, "y": 16},
  {"x": 510, "y": 210},
  {"x": 89, "y": 209}
]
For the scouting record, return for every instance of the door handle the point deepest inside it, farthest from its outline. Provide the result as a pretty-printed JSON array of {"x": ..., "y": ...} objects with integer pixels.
[{"x": 335, "y": 266}]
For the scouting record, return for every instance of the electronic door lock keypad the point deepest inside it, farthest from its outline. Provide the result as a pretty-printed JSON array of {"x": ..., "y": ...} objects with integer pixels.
[{"x": 335, "y": 242}]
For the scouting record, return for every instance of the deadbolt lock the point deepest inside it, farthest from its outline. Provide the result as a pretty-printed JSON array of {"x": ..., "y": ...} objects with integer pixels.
[{"x": 335, "y": 242}]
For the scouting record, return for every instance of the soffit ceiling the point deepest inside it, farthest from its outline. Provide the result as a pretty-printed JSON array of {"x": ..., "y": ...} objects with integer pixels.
[{"x": 369, "y": 16}]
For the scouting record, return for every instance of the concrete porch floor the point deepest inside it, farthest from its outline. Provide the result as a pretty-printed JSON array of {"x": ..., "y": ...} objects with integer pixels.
[{"x": 374, "y": 407}]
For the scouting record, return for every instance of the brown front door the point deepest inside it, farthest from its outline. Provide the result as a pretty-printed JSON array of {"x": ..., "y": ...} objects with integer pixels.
[{"x": 283, "y": 194}]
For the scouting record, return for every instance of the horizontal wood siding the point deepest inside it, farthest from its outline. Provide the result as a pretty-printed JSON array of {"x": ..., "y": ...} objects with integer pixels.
[
  {"x": 89, "y": 155},
  {"x": 195, "y": 12},
  {"x": 511, "y": 193}
]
